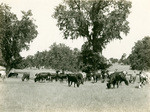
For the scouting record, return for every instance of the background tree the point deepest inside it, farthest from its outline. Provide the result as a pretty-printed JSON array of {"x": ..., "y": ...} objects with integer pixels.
[
  {"x": 113, "y": 60},
  {"x": 63, "y": 58},
  {"x": 123, "y": 57},
  {"x": 140, "y": 56},
  {"x": 15, "y": 35},
  {"x": 99, "y": 21},
  {"x": 91, "y": 60}
]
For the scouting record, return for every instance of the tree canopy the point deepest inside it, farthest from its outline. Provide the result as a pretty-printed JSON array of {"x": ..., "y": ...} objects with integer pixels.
[
  {"x": 92, "y": 61},
  {"x": 15, "y": 35},
  {"x": 63, "y": 58},
  {"x": 58, "y": 57},
  {"x": 140, "y": 56},
  {"x": 99, "y": 21}
]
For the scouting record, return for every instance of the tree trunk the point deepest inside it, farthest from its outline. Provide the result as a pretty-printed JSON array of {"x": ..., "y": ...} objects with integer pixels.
[{"x": 7, "y": 70}]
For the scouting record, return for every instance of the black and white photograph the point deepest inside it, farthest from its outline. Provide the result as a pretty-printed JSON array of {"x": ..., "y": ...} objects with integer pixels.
[{"x": 74, "y": 55}]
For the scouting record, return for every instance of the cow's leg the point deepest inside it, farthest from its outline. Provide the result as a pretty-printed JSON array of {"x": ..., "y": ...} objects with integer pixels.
[
  {"x": 117, "y": 84},
  {"x": 68, "y": 83},
  {"x": 114, "y": 84}
]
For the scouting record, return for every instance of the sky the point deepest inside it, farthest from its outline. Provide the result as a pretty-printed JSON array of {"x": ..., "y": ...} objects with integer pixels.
[{"x": 48, "y": 32}]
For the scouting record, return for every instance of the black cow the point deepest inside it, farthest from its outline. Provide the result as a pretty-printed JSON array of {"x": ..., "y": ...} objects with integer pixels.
[
  {"x": 42, "y": 76},
  {"x": 13, "y": 75},
  {"x": 116, "y": 78},
  {"x": 73, "y": 78},
  {"x": 26, "y": 76},
  {"x": 54, "y": 77},
  {"x": 80, "y": 78},
  {"x": 62, "y": 77}
]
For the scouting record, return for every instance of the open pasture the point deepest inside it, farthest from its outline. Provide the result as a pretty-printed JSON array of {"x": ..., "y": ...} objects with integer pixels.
[
  {"x": 28, "y": 96},
  {"x": 18, "y": 96}
]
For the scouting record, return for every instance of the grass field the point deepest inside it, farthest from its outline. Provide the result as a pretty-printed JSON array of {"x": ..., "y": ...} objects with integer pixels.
[{"x": 18, "y": 96}]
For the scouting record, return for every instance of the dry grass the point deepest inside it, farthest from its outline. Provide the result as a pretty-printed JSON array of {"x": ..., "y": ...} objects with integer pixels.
[{"x": 18, "y": 96}]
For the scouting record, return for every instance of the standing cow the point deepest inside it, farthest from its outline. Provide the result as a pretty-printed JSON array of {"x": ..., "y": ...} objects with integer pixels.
[{"x": 73, "y": 79}]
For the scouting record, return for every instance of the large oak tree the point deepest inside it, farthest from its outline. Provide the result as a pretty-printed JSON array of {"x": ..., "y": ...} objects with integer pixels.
[
  {"x": 99, "y": 21},
  {"x": 15, "y": 35}
]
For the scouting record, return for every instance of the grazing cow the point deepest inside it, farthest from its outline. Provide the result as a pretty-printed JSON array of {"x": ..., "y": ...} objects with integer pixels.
[
  {"x": 54, "y": 77},
  {"x": 73, "y": 79},
  {"x": 116, "y": 78},
  {"x": 3, "y": 75},
  {"x": 61, "y": 77},
  {"x": 42, "y": 76},
  {"x": 26, "y": 76},
  {"x": 13, "y": 75}
]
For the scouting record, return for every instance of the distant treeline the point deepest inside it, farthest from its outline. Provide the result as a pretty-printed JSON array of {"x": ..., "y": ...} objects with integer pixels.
[{"x": 61, "y": 57}]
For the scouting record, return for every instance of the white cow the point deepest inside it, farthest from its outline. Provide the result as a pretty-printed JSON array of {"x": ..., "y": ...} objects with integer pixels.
[
  {"x": 3, "y": 75},
  {"x": 144, "y": 77}
]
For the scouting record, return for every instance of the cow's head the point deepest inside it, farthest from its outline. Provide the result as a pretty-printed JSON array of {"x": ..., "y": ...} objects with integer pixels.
[
  {"x": 108, "y": 85},
  {"x": 126, "y": 82}
]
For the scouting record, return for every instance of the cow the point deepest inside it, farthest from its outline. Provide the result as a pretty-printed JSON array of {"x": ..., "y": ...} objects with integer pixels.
[
  {"x": 84, "y": 76},
  {"x": 42, "y": 76},
  {"x": 80, "y": 77},
  {"x": 3, "y": 75},
  {"x": 104, "y": 75},
  {"x": 96, "y": 77},
  {"x": 13, "y": 75},
  {"x": 116, "y": 78},
  {"x": 73, "y": 79},
  {"x": 88, "y": 77},
  {"x": 25, "y": 76},
  {"x": 61, "y": 77},
  {"x": 54, "y": 77},
  {"x": 144, "y": 78}
]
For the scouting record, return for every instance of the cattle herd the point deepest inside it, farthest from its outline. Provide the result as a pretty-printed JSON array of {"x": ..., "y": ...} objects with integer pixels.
[{"x": 112, "y": 79}]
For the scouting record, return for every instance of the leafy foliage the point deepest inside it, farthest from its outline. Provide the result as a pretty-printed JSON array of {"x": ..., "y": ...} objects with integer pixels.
[
  {"x": 92, "y": 61},
  {"x": 100, "y": 21},
  {"x": 140, "y": 56},
  {"x": 113, "y": 60},
  {"x": 15, "y": 35},
  {"x": 59, "y": 57}
]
